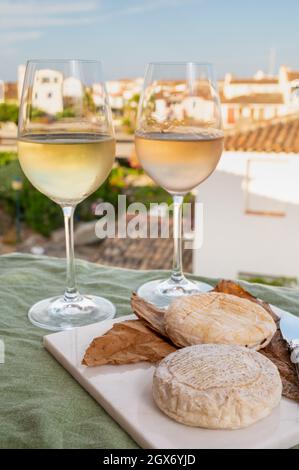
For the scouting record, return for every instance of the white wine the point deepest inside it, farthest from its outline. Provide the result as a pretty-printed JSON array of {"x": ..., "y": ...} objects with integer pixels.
[
  {"x": 176, "y": 161},
  {"x": 66, "y": 167}
]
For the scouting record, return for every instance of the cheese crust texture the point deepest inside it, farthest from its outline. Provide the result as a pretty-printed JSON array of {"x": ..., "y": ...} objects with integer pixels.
[
  {"x": 216, "y": 386},
  {"x": 218, "y": 318}
]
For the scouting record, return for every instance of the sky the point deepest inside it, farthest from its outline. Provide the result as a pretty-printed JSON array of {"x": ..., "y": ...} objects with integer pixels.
[{"x": 237, "y": 36}]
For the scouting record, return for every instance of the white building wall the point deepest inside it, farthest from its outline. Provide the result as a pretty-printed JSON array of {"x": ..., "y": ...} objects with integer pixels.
[
  {"x": 236, "y": 242},
  {"x": 47, "y": 91},
  {"x": 114, "y": 87},
  {"x": 233, "y": 90},
  {"x": 72, "y": 87}
]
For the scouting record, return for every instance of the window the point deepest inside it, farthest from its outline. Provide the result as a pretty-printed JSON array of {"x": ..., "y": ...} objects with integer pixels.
[
  {"x": 49, "y": 95},
  {"x": 45, "y": 80},
  {"x": 231, "y": 116}
]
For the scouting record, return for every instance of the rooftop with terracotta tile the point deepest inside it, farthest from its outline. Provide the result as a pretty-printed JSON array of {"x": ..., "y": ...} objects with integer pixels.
[{"x": 278, "y": 136}]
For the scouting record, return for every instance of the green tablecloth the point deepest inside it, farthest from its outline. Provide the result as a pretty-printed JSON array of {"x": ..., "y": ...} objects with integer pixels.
[{"x": 41, "y": 405}]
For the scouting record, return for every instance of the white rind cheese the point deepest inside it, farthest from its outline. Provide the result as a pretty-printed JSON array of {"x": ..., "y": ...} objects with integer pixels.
[
  {"x": 216, "y": 386},
  {"x": 218, "y": 318}
]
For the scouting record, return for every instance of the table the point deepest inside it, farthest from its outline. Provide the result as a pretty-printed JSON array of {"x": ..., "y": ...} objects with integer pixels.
[{"x": 41, "y": 405}]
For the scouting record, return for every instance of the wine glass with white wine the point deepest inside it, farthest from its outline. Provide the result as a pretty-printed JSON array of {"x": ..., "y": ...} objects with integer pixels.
[
  {"x": 66, "y": 149},
  {"x": 179, "y": 141}
]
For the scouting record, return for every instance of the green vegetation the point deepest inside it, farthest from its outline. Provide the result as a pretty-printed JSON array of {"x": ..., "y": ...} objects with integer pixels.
[
  {"x": 36, "y": 114},
  {"x": 7, "y": 157},
  {"x": 39, "y": 212},
  {"x": 271, "y": 281},
  {"x": 9, "y": 112},
  {"x": 88, "y": 102},
  {"x": 66, "y": 113},
  {"x": 130, "y": 114}
]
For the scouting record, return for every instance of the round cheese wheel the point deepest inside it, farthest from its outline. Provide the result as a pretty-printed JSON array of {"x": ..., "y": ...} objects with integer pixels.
[
  {"x": 218, "y": 318},
  {"x": 216, "y": 386}
]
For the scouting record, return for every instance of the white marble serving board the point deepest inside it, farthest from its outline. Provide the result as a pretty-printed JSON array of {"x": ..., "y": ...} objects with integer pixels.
[{"x": 125, "y": 393}]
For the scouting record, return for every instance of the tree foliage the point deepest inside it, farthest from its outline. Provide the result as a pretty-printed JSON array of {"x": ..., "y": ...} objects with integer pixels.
[{"x": 9, "y": 112}]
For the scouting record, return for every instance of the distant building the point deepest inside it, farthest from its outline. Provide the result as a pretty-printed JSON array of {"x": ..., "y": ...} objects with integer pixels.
[
  {"x": 47, "y": 91},
  {"x": 244, "y": 101},
  {"x": 120, "y": 92},
  {"x": 252, "y": 108},
  {"x": 289, "y": 83},
  {"x": 72, "y": 88},
  {"x": 260, "y": 98},
  {"x": 10, "y": 92},
  {"x": 252, "y": 197},
  {"x": 197, "y": 108},
  {"x": 259, "y": 84},
  {"x": 115, "y": 92}
]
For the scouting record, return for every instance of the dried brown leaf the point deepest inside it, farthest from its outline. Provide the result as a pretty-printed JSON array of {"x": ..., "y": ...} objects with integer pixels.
[{"x": 126, "y": 343}]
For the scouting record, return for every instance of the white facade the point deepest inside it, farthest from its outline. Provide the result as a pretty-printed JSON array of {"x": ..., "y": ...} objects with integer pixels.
[
  {"x": 251, "y": 217},
  {"x": 72, "y": 88},
  {"x": 124, "y": 89},
  {"x": 232, "y": 113},
  {"x": 288, "y": 85},
  {"x": 198, "y": 108},
  {"x": 47, "y": 91},
  {"x": 114, "y": 87},
  {"x": 260, "y": 98},
  {"x": 233, "y": 89}
]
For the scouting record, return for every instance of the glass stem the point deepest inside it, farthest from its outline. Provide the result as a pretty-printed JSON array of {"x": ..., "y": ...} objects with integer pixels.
[
  {"x": 177, "y": 271},
  {"x": 71, "y": 290}
]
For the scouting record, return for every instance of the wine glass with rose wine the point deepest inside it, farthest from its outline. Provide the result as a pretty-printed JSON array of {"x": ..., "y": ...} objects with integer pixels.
[{"x": 179, "y": 141}]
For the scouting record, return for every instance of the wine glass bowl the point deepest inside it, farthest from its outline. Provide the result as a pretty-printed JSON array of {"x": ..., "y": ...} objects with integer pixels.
[
  {"x": 66, "y": 149},
  {"x": 179, "y": 141}
]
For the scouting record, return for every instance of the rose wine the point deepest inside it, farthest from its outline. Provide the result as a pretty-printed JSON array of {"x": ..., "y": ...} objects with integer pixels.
[
  {"x": 66, "y": 167},
  {"x": 176, "y": 161}
]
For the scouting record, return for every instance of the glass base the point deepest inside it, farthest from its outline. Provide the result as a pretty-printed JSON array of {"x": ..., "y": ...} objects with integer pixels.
[
  {"x": 161, "y": 292},
  {"x": 58, "y": 314}
]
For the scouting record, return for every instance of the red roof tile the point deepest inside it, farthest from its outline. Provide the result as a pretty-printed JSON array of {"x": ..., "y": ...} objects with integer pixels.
[
  {"x": 10, "y": 91},
  {"x": 257, "y": 98},
  {"x": 274, "y": 136},
  {"x": 262, "y": 81},
  {"x": 292, "y": 75}
]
